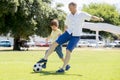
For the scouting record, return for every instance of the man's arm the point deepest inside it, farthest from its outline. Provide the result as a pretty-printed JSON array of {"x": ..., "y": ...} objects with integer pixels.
[{"x": 95, "y": 18}]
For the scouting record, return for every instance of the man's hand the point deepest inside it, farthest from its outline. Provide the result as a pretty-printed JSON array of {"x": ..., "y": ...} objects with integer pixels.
[
  {"x": 95, "y": 18},
  {"x": 101, "y": 19}
]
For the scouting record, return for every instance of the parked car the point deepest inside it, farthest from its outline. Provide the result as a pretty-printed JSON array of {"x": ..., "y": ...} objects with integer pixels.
[
  {"x": 96, "y": 44},
  {"x": 83, "y": 44},
  {"x": 5, "y": 43},
  {"x": 115, "y": 43},
  {"x": 42, "y": 44},
  {"x": 30, "y": 43},
  {"x": 112, "y": 44}
]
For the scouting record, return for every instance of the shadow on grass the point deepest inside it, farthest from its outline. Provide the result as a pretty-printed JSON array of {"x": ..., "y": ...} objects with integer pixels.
[
  {"x": 10, "y": 50},
  {"x": 6, "y": 50},
  {"x": 54, "y": 73}
]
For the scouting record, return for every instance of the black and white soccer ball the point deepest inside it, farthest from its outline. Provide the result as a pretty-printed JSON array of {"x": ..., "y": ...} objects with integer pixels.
[{"x": 37, "y": 67}]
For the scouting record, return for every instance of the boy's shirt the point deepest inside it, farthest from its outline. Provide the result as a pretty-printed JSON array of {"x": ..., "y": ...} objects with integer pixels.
[{"x": 54, "y": 35}]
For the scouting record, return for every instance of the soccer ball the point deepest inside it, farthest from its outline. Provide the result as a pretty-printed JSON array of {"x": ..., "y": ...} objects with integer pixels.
[{"x": 37, "y": 67}]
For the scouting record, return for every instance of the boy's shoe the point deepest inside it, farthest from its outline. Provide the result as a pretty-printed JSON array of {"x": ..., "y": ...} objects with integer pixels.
[
  {"x": 60, "y": 70},
  {"x": 44, "y": 65},
  {"x": 67, "y": 67},
  {"x": 42, "y": 61}
]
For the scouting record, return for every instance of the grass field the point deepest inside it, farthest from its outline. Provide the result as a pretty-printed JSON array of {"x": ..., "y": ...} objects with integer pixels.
[{"x": 86, "y": 64}]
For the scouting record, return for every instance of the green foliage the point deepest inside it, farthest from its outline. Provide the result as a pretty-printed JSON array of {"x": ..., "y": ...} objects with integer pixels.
[
  {"x": 107, "y": 11},
  {"x": 17, "y": 20},
  {"x": 44, "y": 13},
  {"x": 6, "y": 7},
  {"x": 27, "y": 17}
]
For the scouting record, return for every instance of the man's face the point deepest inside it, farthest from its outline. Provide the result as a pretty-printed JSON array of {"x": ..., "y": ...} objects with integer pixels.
[{"x": 72, "y": 8}]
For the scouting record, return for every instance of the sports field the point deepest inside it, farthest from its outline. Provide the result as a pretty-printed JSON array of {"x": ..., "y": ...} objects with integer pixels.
[{"x": 86, "y": 64}]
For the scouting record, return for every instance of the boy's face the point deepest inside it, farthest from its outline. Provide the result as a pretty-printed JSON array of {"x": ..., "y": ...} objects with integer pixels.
[{"x": 54, "y": 27}]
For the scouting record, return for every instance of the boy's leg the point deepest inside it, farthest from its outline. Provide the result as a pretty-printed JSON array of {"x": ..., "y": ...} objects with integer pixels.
[
  {"x": 52, "y": 48},
  {"x": 62, "y": 39},
  {"x": 58, "y": 50},
  {"x": 45, "y": 63}
]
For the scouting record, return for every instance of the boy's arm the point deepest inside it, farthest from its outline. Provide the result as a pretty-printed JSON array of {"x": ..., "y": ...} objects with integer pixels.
[{"x": 47, "y": 39}]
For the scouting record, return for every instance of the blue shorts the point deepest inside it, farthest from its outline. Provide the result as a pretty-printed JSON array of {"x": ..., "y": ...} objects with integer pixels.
[
  {"x": 58, "y": 50},
  {"x": 65, "y": 37}
]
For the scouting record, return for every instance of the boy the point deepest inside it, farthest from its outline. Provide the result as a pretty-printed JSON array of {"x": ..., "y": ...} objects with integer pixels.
[{"x": 56, "y": 32}]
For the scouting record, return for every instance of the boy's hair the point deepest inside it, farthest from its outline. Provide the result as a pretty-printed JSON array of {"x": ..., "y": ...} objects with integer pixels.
[
  {"x": 73, "y": 3},
  {"x": 54, "y": 22}
]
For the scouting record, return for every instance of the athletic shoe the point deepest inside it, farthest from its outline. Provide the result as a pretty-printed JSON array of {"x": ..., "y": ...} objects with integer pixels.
[
  {"x": 67, "y": 67},
  {"x": 42, "y": 61},
  {"x": 60, "y": 70},
  {"x": 44, "y": 65}
]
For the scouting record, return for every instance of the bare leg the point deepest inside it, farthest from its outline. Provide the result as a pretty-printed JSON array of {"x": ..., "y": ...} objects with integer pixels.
[
  {"x": 63, "y": 60},
  {"x": 52, "y": 48},
  {"x": 67, "y": 58}
]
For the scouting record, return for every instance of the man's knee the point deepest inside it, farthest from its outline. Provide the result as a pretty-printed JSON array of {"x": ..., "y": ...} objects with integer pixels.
[{"x": 68, "y": 51}]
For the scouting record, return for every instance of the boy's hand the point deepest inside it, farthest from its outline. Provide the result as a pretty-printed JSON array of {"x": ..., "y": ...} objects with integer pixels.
[{"x": 46, "y": 40}]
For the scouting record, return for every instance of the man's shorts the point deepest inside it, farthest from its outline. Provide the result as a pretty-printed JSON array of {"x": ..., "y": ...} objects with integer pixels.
[{"x": 65, "y": 37}]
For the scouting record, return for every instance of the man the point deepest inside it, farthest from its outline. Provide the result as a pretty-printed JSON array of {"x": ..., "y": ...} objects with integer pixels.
[{"x": 74, "y": 22}]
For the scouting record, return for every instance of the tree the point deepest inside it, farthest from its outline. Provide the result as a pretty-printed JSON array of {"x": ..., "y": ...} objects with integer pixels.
[
  {"x": 6, "y": 7},
  {"x": 21, "y": 23},
  {"x": 27, "y": 18},
  {"x": 107, "y": 11},
  {"x": 44, "y": 14}
]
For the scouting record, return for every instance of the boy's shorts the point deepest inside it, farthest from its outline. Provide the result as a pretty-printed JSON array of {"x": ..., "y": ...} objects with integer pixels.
[
  {"x": 65, "y": 37},
  {"x": 58, "y": 50}
]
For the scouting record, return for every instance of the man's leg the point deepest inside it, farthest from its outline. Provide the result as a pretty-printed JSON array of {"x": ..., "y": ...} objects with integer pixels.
[
  {"x": 60, "y": 54},
  {"x": 71, "y": 45},
  {"x": 67, "y": 59}
]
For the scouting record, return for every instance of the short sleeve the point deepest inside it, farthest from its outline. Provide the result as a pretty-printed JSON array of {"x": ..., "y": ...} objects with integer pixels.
[
  {"x": 87, "y": 16},
  {"x": 66, "y": 21}
]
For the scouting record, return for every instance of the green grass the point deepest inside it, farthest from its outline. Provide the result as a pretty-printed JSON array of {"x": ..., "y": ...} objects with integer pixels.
[{"x": 86, "y": 64}]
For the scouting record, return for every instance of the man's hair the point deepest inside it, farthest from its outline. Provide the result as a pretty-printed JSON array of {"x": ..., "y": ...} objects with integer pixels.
[
  {"x": 54, "y": 22},
  {"x": 73, "y": 3}
]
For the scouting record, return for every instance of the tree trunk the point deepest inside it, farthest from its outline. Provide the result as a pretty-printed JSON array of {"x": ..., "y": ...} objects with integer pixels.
[{"x": 16, "y": 44}]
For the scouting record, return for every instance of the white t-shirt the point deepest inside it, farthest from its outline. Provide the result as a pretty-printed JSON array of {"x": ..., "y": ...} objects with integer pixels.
[{"x": 75, "y": 22}]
